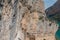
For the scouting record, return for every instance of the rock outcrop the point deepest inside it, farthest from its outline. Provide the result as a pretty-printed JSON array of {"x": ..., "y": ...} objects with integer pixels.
[{"x": 24, "y": 20}]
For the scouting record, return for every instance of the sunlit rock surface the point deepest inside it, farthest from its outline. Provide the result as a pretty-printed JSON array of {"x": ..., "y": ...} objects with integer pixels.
[{"x": 25, "y": 20}]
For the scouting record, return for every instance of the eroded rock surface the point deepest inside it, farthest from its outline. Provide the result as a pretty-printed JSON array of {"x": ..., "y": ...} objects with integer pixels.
[{"x": 24, "y": 20}]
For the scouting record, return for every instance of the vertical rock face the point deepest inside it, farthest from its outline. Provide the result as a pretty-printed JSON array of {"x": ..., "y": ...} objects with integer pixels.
[
  {"x": 24, "y": 20},
  {"x": 10, "y": 21}
]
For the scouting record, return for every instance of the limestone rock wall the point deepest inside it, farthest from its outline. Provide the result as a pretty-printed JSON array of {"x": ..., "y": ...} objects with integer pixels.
[{"x": 24, "y": 20}]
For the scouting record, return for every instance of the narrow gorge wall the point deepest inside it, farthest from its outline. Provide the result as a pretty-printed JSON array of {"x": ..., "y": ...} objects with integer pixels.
[{"x": 24, "y": 20}]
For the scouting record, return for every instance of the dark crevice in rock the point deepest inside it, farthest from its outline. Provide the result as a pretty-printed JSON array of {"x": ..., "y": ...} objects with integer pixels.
[
  {"x": 9, "y": 1},
  {"x": 23, "y": 15},
  {"x": 15, "y": 11},
  {"x": 44, "y": 39},
  {"x": 50, "y": 24},
  {"x": 0, "y": 17},
  {"x": 14, "y": 17},
  {"x": 29, "y": 7},
  {"x": 19, "y": 39},
  {"x": 32, "y": 37},
  {"x": 1, "y": 5},
  {"x": 24, "y": 2}
]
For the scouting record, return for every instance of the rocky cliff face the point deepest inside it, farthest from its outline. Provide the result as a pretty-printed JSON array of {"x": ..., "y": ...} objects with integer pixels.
[{"x": 24, "y": 20}]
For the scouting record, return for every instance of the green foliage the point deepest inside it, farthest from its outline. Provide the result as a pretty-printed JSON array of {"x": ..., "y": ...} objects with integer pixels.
[{"x": 41, "y": 17}]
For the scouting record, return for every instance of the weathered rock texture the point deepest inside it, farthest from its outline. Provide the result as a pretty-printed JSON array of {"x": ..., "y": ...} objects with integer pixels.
[{"x": 24, "y": 20}]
